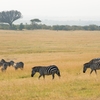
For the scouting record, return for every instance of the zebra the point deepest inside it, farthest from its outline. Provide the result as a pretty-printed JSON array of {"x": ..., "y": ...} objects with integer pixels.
[
  {"x": 93, "y": 66},
  {"x": 8, "y": 63},
  {"x": 5, "y": 64},
  {"x": 45, "y": 70},
  {"x": 18, "y": 65},
  {"x": 4, "y": 67}
]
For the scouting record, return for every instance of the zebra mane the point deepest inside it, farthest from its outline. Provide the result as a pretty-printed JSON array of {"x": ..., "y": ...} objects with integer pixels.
[
  {"x": 36, "y": 68},
  {"x": 87, "y": 65},
  {"x": 51, "y": 65},
  {"x": 95, "y": 59}
]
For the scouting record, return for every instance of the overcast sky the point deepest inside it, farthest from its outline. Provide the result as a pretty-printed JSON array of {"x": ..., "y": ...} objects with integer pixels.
[{"x": 47, "y": 9}]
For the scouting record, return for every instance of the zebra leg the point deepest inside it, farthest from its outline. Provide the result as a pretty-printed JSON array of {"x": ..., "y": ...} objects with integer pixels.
[
  {"x": 91, "y": 71},
  {"x": 21, "y": 68},
  {"x": 39, "y": 76},
  {"x": 15, "y": 68},
  {"x": 53, "y": 76},
  {"x": 95, "y": 71},
  {"x": 44, "y": 76},
  {"x": 2, "y": 69}
]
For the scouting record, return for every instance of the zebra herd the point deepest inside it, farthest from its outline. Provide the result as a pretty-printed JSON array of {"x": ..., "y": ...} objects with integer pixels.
[
  {"x": 4, "y": 65},
  {"x": 93, "y": 64},
  {"x": 43, "y": 70}
]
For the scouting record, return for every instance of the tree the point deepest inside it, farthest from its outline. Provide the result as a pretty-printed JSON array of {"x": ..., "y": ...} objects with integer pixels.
[
  {"x": 9, "y": 16},
  {"x": 21, "y": 26},
  {"x": 34, "y": 21}
]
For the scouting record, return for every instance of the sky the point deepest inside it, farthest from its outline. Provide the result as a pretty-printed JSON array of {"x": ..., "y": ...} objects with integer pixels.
[{"x": 54, "y": 9}]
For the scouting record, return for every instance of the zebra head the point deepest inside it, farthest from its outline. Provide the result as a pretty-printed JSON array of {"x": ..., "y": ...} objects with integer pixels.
[
  {"x": 3, "y": 61},
  {"x": 33, "y": 71},
  {"x": 58, "y": 73},
  {"x": 86, "y": 65}
]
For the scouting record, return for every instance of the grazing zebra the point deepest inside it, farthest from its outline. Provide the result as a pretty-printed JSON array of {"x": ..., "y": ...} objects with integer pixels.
[
  {"x": 46, "y": 70},
  {"x": 5, "y": 64},
  {"x": 18, "y": 65},
  {"x": 93, "y": 65},
  {"x": 8, "y": 63},
  {"x": 4, "y": 67}
]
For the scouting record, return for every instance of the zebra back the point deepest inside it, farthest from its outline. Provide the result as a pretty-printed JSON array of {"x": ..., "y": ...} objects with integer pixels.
[
  {"x": 94, "y": 60},
  {"x": 95, "y": 65}
]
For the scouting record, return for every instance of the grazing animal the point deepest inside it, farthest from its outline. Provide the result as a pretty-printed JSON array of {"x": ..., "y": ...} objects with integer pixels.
[
  {"x": 7, "y": 63},
  {"x": 4, "y": 67},
  {"x": 94, "y": 65},
  {"x": 4, "y": 64},
  {"x": 46, "y": 70},
  {"x": 18, "y": 65}
]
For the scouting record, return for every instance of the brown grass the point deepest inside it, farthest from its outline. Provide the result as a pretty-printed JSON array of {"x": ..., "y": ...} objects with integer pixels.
[{"x": 69, "y": 50}]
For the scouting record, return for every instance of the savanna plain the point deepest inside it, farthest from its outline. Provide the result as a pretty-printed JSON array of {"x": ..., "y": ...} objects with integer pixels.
[{"x": 69, "y": 50}]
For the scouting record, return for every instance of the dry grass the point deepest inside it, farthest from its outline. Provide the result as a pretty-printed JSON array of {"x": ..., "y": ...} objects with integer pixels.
[{"x": 69, "y": 50}]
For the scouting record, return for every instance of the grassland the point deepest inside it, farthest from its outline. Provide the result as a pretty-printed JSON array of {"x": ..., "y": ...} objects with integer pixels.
[{"x": 69, "y": 50}]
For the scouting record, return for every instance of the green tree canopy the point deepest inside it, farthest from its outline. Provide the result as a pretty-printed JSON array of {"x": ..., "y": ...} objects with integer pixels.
[
  {"x": 33, "y": 21},
  {"x": 9, "y": 16}
]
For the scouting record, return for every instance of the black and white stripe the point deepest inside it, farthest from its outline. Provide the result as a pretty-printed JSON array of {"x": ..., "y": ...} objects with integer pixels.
[
  {"x": 94, "y": 65},
  {"x": 18, "y": 65},
  {"x": 46, "y": 70}
]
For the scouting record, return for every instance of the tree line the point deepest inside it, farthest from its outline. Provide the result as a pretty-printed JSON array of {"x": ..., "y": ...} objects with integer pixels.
[
  {"x": 26, "y": 26},
  {"x": 8, "y": 17}
]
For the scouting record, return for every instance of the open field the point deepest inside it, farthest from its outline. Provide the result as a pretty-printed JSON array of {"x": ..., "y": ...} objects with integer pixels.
[{"x": 69, "y": 50}]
